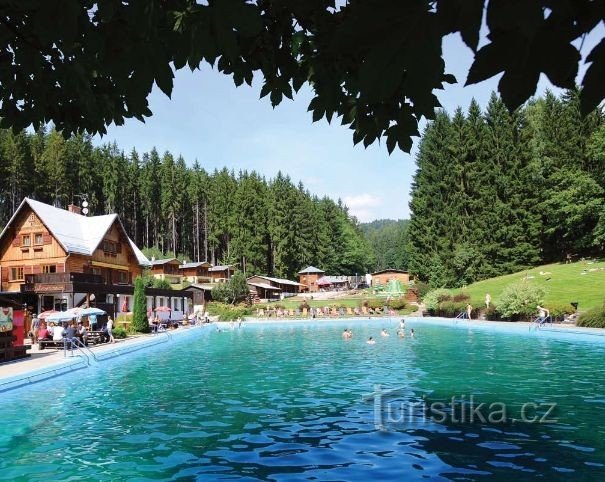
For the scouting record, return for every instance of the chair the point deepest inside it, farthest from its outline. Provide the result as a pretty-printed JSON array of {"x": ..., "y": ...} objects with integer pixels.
[
  {"x": 305, "y": 313},
  {"x": 297, "y": 312},
  {"x": 341, "y": 312},
  {"x": 364, "y": 310},
  {"x": 385, "y": 310},
  {"x": 261, "y": 313},
  {"x": 349, "y": 311}
]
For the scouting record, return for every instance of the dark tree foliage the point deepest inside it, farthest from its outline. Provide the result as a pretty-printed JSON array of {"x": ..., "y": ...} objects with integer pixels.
[
  {"x": 496, "y": 192},
  {"x": 140, "y": 322},
  {"x": 375, "y": 64},
  {"x": 264, "y": 227},
  {"x": 388, "y": 239}
]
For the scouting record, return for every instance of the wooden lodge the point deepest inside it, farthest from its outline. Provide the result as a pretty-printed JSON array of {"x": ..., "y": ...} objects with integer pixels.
[
  {"x": 196, "y": 272},
  {"x": 221, "y": 273},
  {"x": 382, "y": 277},
  {"x": 269, "y": 288},
  {"x": 308, "y": 277},
  {"x": 52, "y": 258},
  {"x": 167, "y": 269}
]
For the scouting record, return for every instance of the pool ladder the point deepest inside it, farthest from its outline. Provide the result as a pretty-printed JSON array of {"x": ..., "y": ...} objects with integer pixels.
[{"x": 80, "y": 348}]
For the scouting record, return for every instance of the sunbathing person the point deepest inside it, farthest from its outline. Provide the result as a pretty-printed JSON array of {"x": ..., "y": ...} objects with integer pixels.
[{"x": 43, "y": 333}]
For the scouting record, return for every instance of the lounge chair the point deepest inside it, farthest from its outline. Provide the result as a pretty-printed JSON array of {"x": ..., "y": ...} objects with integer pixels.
[
  {"x": 341, "y": 311},
  {"x": 297, "y": 312},
  {"x": 349, "y": 311},
  {"x": 364, "y": 310},
  {"x": 305, "y": 313},
  {"x": 385, "y": 310},
  {"x": 356, "y": 311},
  {"x": 261, "y": 313}
]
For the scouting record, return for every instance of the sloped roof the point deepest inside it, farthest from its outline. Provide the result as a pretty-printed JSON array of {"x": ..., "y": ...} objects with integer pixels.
[
  {"x": 310, "y": 269},
  {"x": 281, "y": 281},
  {"x": 220, "y": 268},
  {"x": 265, "y": 286},
  {"x": 195, "y": 264},
  {"x": 158, "y": 262},
  {"x": 74, "y": 232},
  {"x": 390, "y": 271}
]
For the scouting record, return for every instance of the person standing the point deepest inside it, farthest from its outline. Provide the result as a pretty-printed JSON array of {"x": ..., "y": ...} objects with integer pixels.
[
  {"x": 35, "y": 329},
  {"x": 488, "y": 300},
  {"x": 469, "y": 310},
  {"x": 110, "y": 330}
]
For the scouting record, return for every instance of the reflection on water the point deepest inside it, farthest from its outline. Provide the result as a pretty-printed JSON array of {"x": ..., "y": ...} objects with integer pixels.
[{"x": 285, "y": 403}]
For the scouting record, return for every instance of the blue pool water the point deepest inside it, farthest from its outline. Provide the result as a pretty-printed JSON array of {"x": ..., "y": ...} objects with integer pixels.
[{"x": 285, "y": 402}]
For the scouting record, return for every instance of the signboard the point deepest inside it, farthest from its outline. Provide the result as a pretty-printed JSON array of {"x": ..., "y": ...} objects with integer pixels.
[
  {"x": 6, "y": 319},
  {"x": 51, "y": 288}
]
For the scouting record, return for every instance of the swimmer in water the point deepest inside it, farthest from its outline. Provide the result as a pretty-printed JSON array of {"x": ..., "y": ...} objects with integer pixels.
[
  {"x": 412, "y": 332},
  {"x": 401, "y": 333},
  {"x": 384, "y": 332},
  {"x": 371, "y": 341},
  {"x": 402, "y": 324}
]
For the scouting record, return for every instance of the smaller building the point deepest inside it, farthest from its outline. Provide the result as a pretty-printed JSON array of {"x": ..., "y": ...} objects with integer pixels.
[
  {"x": 382, "y": 277},
  {"x": 273, "y": 288},
  {"x": 196, "y": 272},
  {"x": 167, "y": 269},
  {"x": 221, "y": 274},
  {"x": 308, "y": 277},
  {"x": 333, "y": 283}
]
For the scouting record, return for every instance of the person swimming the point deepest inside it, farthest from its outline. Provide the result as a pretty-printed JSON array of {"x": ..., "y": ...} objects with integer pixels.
[
  {"x": 371, "y": 341},
  {"x": 401, "y": 333},
  {"x": 384, "y": 332},
  {"x": 346, "y": 334},
  {"x": 412, "y": 332},
  {"x": 402, "y": 324}
]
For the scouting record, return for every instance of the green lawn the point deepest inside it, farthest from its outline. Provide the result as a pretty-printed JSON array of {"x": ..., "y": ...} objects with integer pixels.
[{"x": 563, "y": 283}]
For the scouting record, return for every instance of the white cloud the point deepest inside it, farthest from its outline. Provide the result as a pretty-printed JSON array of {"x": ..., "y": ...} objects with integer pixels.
[{"x": 363, "y": 206}]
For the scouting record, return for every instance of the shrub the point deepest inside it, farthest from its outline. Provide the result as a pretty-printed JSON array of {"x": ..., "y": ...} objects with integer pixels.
[
  {"x": 398, "y": 304},
  {"x": 422, "y": 288},
  {"x": 450, "y": 309},
  {"x": 492, "y": 313},
  {"x": 374, "y": 303},
  {"x": 304, "y": 305},
  {"x": 520, "y": 300},
  {"x": 126, "y": 317},
  {"x": 461, "y": 297},
  {"x": 559, "y": 310},
  {"x": 227, "y": 312},
  {"x": 594, "y": 318},
  {"x": 432, "y": 298},
  {"x": 119, "y": 332}
]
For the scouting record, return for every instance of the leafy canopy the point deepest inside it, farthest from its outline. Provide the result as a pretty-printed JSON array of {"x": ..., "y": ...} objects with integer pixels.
[{"x": 83, "y": 64}]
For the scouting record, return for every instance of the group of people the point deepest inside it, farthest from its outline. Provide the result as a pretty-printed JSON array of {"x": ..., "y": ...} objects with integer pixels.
[
  {"x": 57, "y": 332},
  {"x": 347, "y": 333}
]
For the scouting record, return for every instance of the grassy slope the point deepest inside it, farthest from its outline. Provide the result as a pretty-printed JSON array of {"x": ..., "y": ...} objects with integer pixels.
[{"x": 564, "y": 283}]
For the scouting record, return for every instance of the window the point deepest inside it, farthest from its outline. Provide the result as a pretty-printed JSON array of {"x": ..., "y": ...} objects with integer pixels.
[
  {"x": 110, "y": 247},
  {"x": 49, "y": 268},
  {"x": 122, "y": 276},
  {"x": 38, "y": 239},
  {"x": 16, "y": 273},
  {"x": 26, "y": 240}
]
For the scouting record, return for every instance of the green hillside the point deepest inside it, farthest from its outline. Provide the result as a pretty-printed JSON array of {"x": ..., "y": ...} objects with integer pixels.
[{"x": 582, "y": 282}]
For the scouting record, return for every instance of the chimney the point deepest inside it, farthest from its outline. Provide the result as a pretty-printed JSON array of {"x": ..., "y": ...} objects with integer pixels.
[{"x": 72, "y": 208}]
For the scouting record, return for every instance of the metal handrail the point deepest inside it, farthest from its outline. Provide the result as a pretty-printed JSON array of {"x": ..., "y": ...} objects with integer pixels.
[{"x": 83, "y": 348}]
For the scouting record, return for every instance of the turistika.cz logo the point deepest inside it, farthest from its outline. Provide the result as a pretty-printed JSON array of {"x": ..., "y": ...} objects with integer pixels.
[{"x": 396, "y": 408}]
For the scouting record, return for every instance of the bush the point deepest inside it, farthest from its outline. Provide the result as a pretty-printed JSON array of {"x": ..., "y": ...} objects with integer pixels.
[
  {"x": 461, "y": 297},
  {"x": 119, "y": 333},
  {"x": 520, "y": 300},
  {"x": 451, "y": 309},
  {"x": 422, "y": 288},
  {"x": 140, "y": 322},
  {"x": 492, "y": 313},
  {"x": 594, "y": 318},
  {"x": 374, "y": 303},
  {"x": 559, "y": 310},
  {"x": 432, "y": 299},
  {"x": 126, "y": 317},
  {"x": 228, "y": 312},
  {"x": 304, "y": 305},
  {"x": 398, "y": 304}
]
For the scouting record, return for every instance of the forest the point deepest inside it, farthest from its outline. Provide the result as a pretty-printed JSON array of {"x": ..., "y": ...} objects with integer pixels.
[
  {"x": 264, "y": 226},
  {"x": 496, "y": 192}
]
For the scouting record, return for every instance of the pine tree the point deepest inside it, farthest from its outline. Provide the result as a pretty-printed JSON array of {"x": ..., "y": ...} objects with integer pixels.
[{"x": 140, "y": 323}]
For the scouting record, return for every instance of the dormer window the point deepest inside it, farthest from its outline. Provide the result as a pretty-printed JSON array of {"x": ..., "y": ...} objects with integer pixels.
[
  {"x": 38, "y": 239},
  {"x": 26, "y": 240}
]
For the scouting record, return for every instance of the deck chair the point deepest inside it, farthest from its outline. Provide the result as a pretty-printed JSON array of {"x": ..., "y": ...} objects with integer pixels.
[
  {"x": 385, "y": 310},
  {"x": 364, "y": 310},
  {"x": 305, "y": 313},
  {"x": 297, "y": 312},
  {"x": 349, "y": 311},
  {"x": 341, "y": 312}
]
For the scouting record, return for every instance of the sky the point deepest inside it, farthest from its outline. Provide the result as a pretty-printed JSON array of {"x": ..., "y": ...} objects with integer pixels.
[{"x": 211, "y": 120}]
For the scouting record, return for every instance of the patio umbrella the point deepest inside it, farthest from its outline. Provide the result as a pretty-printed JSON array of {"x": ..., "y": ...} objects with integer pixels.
[
  {"x": 65, "y": 315},
  {"x": 163, "y": 308},
  {"x": 92, "y": 311},
  {"x": 46, "y": 313}
]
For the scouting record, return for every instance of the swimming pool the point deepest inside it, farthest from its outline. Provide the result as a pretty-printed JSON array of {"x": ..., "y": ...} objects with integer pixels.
[{"x": 286, "y": 402}]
